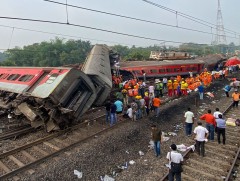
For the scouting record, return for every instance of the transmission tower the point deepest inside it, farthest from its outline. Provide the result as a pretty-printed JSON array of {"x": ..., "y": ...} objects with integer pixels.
[{"x": 220, "y": 35}]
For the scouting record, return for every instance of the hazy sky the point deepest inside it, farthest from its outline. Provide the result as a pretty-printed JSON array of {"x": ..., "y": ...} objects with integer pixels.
[{"x": 39, "y": 9}]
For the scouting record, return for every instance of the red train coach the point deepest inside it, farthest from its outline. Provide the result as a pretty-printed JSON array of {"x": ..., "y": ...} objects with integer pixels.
[
  {"x": 51, "y": 96},
  {"x": 164, "y": 68},
  {"x": 168, "y": 68}
]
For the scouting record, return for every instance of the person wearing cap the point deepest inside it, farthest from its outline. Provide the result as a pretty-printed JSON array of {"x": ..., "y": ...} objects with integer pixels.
[
  {"x": 170, "y": 88},
  {"x": 235, "y": 97},
  {"x": 221, "y": 126},
  {"x": 157, "y": 139},
  {"x": 201, "y": 135},
  {"x": 175, "y": 160}
]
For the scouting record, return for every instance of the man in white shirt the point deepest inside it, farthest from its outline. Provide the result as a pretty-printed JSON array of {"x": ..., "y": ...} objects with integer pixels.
[
  {"x": 175, "y": 159},
  {"x": 151, "y": 89},
  {"x": 189, "y": 121},
  {"x": 201, "y": 135},
  {"x": 216, "y": 113}
]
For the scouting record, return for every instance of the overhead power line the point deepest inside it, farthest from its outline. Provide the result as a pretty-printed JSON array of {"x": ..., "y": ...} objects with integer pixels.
[
  {"x": 136, "y": 19},
  {"x": 60, "y": 34},
  {"x": 192, "y": 18},
  {"x": 88, "y": 27}
]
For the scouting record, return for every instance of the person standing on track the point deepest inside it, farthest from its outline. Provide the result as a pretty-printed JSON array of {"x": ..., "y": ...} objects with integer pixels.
[
  {"x": 189, "y": 121},
  {"x": 235, "y": 97},
  {"x": 210, "y": 124},
  {"x": 221, "y": 126},
  {"x": 175, "y": 160},
  {"x": 157, "y": 139},
  {"x": 216, "y": 113},
  {"x": 156, "y": 105},
  {"x": 201, "y": 135},
  {"x": 200, "y": 91}
]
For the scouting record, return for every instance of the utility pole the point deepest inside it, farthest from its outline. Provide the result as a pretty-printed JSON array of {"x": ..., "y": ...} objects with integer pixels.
[{"x": 220, "y": 34}]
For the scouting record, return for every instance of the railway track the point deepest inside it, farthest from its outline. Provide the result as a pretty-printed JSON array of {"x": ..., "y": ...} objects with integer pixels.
[
  {"x": 24, "y": 158},
  {"x": 21, "y": 130},
  {"x": 220, "y": 161}
]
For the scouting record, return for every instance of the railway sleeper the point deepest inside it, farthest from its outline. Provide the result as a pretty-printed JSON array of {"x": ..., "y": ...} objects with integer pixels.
[{"x": 195, "y": 173}]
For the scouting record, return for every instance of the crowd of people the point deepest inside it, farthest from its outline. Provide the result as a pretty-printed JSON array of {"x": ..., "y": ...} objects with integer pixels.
[{"x": 137, "y": 99}]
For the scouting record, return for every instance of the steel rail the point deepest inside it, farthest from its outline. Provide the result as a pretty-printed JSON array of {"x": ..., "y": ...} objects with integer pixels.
[
  {"x": 165, "y": 177},
  {"x": 229, "y": 175},
  {"x": 15, "y": 150},
  {"x": 28, "y": 166}
]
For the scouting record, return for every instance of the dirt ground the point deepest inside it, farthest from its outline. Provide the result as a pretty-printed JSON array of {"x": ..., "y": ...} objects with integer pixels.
[{"x": 105, "y": 154}]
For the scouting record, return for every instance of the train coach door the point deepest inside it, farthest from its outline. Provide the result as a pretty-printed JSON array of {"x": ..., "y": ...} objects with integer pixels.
[{"x": 45, "y": 73}]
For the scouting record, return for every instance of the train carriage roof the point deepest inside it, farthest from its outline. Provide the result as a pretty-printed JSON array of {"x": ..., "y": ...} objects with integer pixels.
[{"x": 211, "y": 59}]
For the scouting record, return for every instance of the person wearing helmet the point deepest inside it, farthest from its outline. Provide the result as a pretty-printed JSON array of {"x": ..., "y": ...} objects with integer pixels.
[
  {"x": 170, "y": 88},
  {"x": 175, "y": 85}
]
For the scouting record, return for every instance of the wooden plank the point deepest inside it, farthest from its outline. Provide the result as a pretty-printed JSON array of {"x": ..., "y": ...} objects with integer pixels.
[
  {"x": 187, "y": 177},
  {"x": 15, "y": 160},
  {"x": 60, "y": 141},
  {"x": 51, "y": 145},
  {"x": 4, "y": 167},
  {"x": 40, "y": 150},
  {"x": 26, "y": 154},
  {"x": 199, "y": 172},
  {"x": 19, "y": 163}
]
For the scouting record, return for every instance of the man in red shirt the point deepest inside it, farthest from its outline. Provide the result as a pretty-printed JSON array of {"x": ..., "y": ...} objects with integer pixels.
[{"x": 210, "y": 124}]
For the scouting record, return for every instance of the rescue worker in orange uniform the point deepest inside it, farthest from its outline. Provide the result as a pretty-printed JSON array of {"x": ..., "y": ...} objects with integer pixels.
[
  {"x": 175, "y": 85},
  {"x": 179, "y": 78},
  {"x": 170, "y": 88}
]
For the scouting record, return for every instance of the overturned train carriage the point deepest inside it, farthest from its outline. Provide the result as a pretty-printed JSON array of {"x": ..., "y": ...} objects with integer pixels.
[
  {"x": 98, "y": 68},
  {"x": 50, "y": 96}
]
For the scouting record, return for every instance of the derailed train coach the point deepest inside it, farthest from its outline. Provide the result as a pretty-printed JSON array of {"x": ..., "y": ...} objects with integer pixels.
[{"x": 56, "y": 96}]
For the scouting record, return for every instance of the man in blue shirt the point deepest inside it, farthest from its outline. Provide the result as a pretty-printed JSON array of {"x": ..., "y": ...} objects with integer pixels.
[
  {"x": 119, "y": 105},
  {"x": 221, "y": 126},
  {"x": 200, "y": 90}
]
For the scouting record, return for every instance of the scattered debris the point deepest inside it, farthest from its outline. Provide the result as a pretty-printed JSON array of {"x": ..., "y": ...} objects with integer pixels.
[
  {"x": 108, "y": 178},
  {"x": 131, "y": 162},
  {"x": 79, "y": 174},
  {"x": 127, "y": 152},
  {"x": 172, "y": 134},
  {"x": 141, "y": 153}
]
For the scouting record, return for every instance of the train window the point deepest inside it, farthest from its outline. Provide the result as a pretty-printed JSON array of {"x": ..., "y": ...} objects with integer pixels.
[
  {"x": 189, "y": 69},
  {"x": 154, "y": 71},
  {"x": 169, "y": 70},
  {"x": 176, "y": 70},
  {"x": 51, "y": 78},
  {"x": 3, "y": 76},
  {"x": 194, "y": 68},
  {"x": 161, "y": 70},
  {"x": 136, "y": 72},
  {"x": 26, "y": 78},
  {"x": 13, "y": 77}
]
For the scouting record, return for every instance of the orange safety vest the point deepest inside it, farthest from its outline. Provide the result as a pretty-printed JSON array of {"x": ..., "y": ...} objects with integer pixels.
[
  {"x": 130, "y": 92},
  {"x": 135, "y": 92}
]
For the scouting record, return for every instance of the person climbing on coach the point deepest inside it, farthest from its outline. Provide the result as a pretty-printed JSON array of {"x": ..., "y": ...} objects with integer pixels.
[
  {"x": 157, "y": 139},
  {"x": 210, "y": 124},
  {"x": 189, "y": 122}
]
